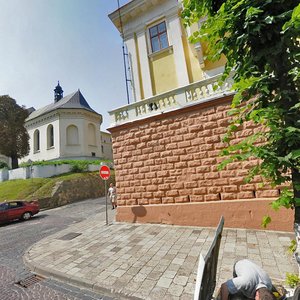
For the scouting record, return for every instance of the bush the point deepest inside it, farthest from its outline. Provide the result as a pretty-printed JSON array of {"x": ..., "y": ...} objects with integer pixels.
[
  {"x": 292, "y": 280},
  {"x": 79, "y": 166},
  {"x": 3, "y": 165},
  {"x": 68, "y": 162}
]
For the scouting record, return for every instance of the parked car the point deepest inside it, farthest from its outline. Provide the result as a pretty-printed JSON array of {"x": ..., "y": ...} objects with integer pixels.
[{"x": 18, "y": 210}]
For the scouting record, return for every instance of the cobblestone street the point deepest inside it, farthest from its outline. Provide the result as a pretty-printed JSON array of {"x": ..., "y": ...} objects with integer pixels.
[{"x": 17, "y": 236}]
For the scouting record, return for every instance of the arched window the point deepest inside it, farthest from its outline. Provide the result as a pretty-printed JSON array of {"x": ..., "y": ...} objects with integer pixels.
[
  {"x": 50, "y": 136},
  {"x": 92, "y": 134},
  {"x": 72, "y": 135},
  {"x": 36, "y": 141}
]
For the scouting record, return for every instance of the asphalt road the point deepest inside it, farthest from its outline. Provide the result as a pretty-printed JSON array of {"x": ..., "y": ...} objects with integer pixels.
[{"x": 17, "y": 237}]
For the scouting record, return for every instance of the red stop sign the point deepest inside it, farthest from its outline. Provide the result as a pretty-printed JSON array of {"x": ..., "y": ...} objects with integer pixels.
[{"x": 104, "y": 172}]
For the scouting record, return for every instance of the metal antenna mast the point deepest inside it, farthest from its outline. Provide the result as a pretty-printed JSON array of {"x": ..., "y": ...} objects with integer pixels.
[{"x": 125, "y": 55}]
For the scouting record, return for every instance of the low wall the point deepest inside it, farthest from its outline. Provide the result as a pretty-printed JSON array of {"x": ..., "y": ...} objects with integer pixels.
[
  {"x": 20, "y": 173},
  {"x": 39, "y": 171},
  {"x": 49, "y": 170},
  {"x": 3, "y": 175}
]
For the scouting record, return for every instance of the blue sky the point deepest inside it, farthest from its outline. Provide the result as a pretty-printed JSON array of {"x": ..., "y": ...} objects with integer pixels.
[{"x": 73, "y": 41}]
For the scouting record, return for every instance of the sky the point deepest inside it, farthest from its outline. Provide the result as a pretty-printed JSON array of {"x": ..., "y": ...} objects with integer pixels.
[{"x": 73, "y": 41}]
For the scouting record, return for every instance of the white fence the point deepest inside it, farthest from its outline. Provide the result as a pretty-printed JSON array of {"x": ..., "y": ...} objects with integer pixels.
[{"x": 39, "y": 171}]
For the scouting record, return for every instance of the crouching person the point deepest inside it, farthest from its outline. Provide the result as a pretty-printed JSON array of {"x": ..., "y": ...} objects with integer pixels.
[{"x": 249, "y": 281}]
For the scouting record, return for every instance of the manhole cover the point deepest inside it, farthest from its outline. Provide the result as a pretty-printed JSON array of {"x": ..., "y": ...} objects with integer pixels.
[
  {"x": 30, "y": 280},
  {"x": 69, "y": 236}
]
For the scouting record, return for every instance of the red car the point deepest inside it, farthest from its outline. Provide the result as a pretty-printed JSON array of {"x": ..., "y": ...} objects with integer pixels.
[{"x": 18, "y": 210}]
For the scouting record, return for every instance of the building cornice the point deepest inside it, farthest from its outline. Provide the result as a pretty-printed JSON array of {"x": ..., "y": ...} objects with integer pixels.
[
  {"x": 54, "y": 115},
  {"x": 133, "y": 9}
]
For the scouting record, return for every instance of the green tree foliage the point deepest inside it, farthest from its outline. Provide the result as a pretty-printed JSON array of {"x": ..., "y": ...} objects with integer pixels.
[
  {"x": 13, "y": 135},
  {"x": 260, "y": 39}
]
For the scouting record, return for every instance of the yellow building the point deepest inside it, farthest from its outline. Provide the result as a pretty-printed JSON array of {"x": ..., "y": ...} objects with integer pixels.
[
  {"x": 166, "y": 143},
  {"x": 160, "y": 54}
]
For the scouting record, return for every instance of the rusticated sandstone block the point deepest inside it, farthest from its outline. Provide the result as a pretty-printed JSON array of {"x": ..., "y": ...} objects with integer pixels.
[
  {"x": 140, "y": 189},
  {"x": 155, "y": 201},
  {"x": 159, "y": 194},
  {"x": 121, "y": 202},
  {"x": 200, "y": 191},
  {"x": 130, "y": 202},
  {"x": 212, "y": 175},
  {"x": 143, "y": 201},
  {"x": 184, "y": 144},
  {"x": 151, "y": 188},
  {"x": 172, "y": 193},
  {"x": 182, "y": 199},
  {"x": 247, "y": 187},
  {"x": 228, "y": 196},
  {"x": 245, "y": 195},
  {"x": 203, "y": 169},
  {"x": 230, "y": 188},
  {"x": 214, "y": 189},
  {"x": 173, "y": 158},
  {"x": 211, "y": 197},
  {"x": 196, "y": 198},
  {"x": 267, "y": 194},
  {"x": 197, "y": 177},
  {"x": 166, "y": 200},
  {"x": 196, "y": 128},
  {"x": 210, "y": 125},
  {"x": 164, "y": 187},
  {"x": 191, "y": 185}
]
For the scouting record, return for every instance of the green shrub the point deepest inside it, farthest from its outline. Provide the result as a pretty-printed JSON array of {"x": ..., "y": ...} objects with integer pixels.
[
  {"x": 3, "y": 165},
  {"x": 79, "y": 166},
  {"x": 69, "y": 162},
  {"x": 292, "y": 247},
  {"x": 292, "y": 280}
]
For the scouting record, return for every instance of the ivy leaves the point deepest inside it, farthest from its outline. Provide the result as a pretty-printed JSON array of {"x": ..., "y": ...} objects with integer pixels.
[{"x": 260, "y": 40}]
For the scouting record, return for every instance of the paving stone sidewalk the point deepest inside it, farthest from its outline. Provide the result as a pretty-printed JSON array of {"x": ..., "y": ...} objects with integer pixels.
[{"x": 151, "y": 261}]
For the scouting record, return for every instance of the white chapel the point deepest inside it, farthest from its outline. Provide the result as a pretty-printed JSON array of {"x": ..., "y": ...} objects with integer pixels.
[{"x": 68, "y": 128}]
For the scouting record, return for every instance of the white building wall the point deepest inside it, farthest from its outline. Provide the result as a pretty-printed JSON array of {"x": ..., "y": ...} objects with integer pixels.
[
  {"x": 44, "y": 153},
  {"x": 96, "y": 148},
  {"x": 175, "y": 39},
  {"x": 60, "y": 121},
  {"x": 68, "y": 150},
  {"x": 106, "y": 145},
  {"x": 82, "y": 149}
]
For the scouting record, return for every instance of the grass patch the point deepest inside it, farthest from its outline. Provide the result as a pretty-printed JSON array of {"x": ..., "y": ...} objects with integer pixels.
[
  {"x": 29, "y": 189},
  {"x": 20, "y": 189}
]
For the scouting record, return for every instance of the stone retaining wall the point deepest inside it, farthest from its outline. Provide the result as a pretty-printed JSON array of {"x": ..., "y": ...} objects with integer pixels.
[
  {"x": 69, "y": 191},
  {"x": 172, "y": 159}
]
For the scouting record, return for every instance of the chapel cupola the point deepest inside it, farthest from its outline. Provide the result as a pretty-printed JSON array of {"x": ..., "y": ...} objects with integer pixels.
[{"x": 58, "y": 93}]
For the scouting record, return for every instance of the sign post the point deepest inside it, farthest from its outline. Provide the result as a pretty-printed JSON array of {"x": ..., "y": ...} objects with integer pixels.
[{"x": 104, "y": 173}]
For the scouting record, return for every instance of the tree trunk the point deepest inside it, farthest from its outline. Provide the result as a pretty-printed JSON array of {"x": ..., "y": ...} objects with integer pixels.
[
  {"x": 14, "y": 162},
  {"x": 296, "y": 183}
]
